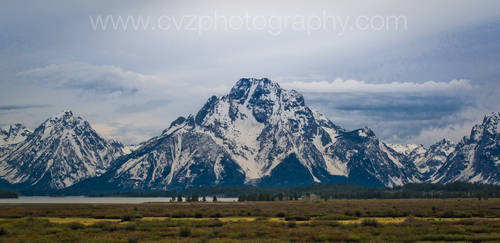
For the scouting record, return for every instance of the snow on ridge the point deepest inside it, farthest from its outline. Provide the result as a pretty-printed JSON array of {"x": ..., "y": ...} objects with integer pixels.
[
  {"x": 13, "y": 134},
  {"x": 64, "y": 149},
  {"x": 258, "y": 125},
  {"x": 404, "y": 149}
]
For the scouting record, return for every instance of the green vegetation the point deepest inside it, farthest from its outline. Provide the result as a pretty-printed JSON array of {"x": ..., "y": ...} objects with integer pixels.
[
  {"x": 335, "y": 220},
  {"x": 185, "y": 231},
  {"x": 337, "y": 191},
  {"x": 334, "y": 209},
  {"x": 8, "y": 194},
  {"x": 451, "y": 190}
]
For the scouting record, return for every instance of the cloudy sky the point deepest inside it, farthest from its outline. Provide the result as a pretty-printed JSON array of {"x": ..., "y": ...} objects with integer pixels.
[{"x": 412, "y": 71}]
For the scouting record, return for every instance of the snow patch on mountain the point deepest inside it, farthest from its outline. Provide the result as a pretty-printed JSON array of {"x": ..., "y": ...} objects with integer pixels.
[
  {"x": 258, "y": 134},
  {"x": 475, "y": 157},
  {"x": 61, "y": 151},
  {"x": 13, "y": 134}
]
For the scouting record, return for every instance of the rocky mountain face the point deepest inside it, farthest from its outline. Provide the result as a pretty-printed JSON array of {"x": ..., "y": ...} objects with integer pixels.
[
  {"x": 434, "y": 158},
  {"x": 476, "y": 158},
  {"x": 258, "y": 134},
  {"x": 60, "y": 152},
  {"x": 427, "y": 160},
  {"x": 13, "y": 134}
]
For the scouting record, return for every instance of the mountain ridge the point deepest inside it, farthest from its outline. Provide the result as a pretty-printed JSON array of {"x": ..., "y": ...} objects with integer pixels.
[
  {"x": 61, "y": 151},
  {"x": 253, "y": 129},
  {"x": 257, "y": 134}
]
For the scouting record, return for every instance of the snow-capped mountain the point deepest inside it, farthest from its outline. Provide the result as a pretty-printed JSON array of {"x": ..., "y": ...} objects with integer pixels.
[
  {"x": 434, "y": 158},
  {"x": 261, "y": 134},
  {"x": 13, "y": 134},
  {"x": 408, "y": 149},
  {"x": 60, "y": 152},
  {"x": 427, "y": 160},
  {"x": 477, "y": 157},
  {"x": 10, "y": 136},
  {"x": 258, "y": 134}
]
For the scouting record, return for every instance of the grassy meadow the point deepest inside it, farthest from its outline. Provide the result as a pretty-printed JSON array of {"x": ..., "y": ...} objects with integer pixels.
[{"x": 345, "y": 220}]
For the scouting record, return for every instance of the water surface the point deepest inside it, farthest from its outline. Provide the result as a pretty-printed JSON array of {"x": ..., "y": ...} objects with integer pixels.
[{"x": 106, "y": 200}]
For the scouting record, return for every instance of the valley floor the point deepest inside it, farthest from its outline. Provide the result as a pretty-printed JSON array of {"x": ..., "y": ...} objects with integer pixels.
[{"x": 377, "y": 220}]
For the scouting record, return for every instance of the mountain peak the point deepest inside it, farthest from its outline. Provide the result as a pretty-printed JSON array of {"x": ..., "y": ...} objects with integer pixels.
[
  {"x": 65, "y": 118},
  {"x": 15, "y": 126},
  {"x": 256, "y": 81},
  {"x": 61, "y": 151},
  {"x": 475, "y": 158},
  {"x": 493, "y": 115},
  {"x": 491, "y": 122},
  {"x": 244, "y": 86},
  {"x": 260, "y": 98},
  {"x": 444, "y": 141},
  {"x": 65, "y": 114},
  {"x": 13, "y": 134},
  {"x": 366, "y": 132},
  {"x": 490, "y": 125}
]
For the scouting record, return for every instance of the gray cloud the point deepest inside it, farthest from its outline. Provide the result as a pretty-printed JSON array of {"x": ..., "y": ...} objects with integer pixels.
[
  {"x": 144, "y": 106},
  {"x": 344, "y": 86},
  {"x": 397, "y": 111},
  {"x": 136, "y": 82},
  {"x": 86, "y": 77},
  {"x": 394, "y": 107},
  {"x": 128, "y": 133},
  {"x": 20, "y": 107}
]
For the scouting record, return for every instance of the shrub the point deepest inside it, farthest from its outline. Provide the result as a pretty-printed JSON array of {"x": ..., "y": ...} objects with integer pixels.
[
  {"x": 370, "y": 222},
  {"x": 411, "y": 220},
  {"x": 297, "y": 218},
  {"x": 130, "y": 226},
  {"x": 335, "y": 217},
  {"x": 215, "y": 233},
  {"x": 333, "y": 223},
  {"x": 216, "y": 215},
  {"x": 127, "y": 218},
  {"x": 110, "y": 227},
  {"x": 479, "y": 229},
  {"x": 76, "y": 225},
  {"x": 185, "y": 231},
  {"x": 198, "y": 215},
  {"x": 100, "y": 224},
  {"x": 292, "y": 224},
  {"x": 133, "y": 239},
  {"x": 280, "y": 215},
  {"x": 3, "y": 231},
  {"x": 180, "y": 214}
]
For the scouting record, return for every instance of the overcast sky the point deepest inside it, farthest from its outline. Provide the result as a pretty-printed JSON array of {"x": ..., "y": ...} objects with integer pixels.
[{"x": 412, "y": 71}]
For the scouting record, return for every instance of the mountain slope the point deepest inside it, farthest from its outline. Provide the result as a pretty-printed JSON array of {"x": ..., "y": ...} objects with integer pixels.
[
  {"x": 13, "y": 134},
  {"x": 61, "y": 151},
  {"x": 477, "y": 157},
  {"x": 427, "y": 160},
  {"x": 10, "y": 136},
  {"x": 434, "y": 158},
  {"x": 258, "y": 134}
]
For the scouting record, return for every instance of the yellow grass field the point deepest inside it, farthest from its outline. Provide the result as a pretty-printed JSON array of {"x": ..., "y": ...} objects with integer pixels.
[{"x": 388, "y": 220}]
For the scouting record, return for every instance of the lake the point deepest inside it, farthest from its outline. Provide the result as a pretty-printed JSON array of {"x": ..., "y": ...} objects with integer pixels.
[{"x": 91, "y": 200}]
